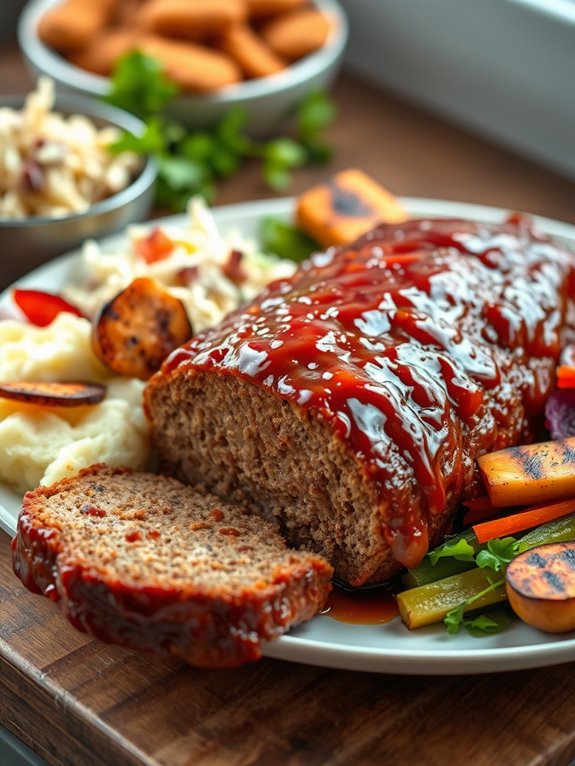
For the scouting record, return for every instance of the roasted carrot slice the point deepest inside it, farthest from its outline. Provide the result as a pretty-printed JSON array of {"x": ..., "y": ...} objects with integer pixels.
[
  {"x": 48, "y": 394},
  {"x": 540, "y": 586},
  {"x": 531, "y": 473},
  {"x": 138, "y": 328},
  {"x": 41, "y": 308}
]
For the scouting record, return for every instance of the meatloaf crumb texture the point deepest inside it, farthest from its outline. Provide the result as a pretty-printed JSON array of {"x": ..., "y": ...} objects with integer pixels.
[
  {"x": 146, "y": 562},
  {"x": 242, "y": 456},
  {"x": 351, "y": 401}
]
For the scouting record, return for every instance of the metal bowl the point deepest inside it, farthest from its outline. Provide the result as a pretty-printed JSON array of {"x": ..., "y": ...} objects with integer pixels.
[
  {"x": 29, "y": 242},
  {"x": 267, "y": 100}
]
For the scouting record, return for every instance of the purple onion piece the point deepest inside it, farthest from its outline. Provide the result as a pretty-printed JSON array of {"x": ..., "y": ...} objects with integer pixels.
[
  {"x": 560, "y": 413},
  {"x": 32, "y": 177}
]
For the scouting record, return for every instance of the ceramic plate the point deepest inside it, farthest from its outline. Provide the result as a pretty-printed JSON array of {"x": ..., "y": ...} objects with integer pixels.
[{"x": 388, "y": 648}]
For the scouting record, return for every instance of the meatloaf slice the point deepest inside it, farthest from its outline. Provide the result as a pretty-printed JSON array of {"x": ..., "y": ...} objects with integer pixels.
[
  {"x": 350, "y": 401},
  {"x": 146, "y": 562}
]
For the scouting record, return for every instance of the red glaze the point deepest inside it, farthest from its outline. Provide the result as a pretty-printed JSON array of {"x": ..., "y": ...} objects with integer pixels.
[{"x": 410, "y": 336}]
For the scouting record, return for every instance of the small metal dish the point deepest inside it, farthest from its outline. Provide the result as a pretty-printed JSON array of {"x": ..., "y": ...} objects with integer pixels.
[
  {"x": 266, "y": 100},
  {"x": 28, "y": 242}
]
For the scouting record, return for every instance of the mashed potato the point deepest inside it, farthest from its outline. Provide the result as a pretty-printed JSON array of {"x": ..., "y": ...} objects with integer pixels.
[
  {"x": 209, "y": 272},
  {"x": 41, "y": 444}
]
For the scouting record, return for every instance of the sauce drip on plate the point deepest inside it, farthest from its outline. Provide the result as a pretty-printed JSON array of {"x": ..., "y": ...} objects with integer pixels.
[{"x": 371, "y": 606}]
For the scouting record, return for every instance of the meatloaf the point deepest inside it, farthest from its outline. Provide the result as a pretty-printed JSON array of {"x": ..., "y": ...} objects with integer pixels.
[
  {"x": 145, "y": 562},
  {"x": 350, "y": 401}
]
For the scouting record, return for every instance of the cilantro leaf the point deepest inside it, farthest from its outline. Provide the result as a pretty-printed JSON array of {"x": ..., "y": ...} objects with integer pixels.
[
  {"x": 286, "y": 240},
  {"x": 455, "y": 617},
  {"x": 453, "y": 620},
  {"x": 225, "y": 163},
  {"x": 281, "y": 155},
  {"x": 314, "y": 114},
  {"x": 152, "y": 140},
  {"x": 456, "y": 549},
  {"x": 199, "y": 146},
  {"x": 192, "y": 162},
  {"x": 318, "y": 151},
  {"x": 230, "y": 132},
  {"x": 140, "y": 85},
  {"x": 498, "y": 553},
  {"x": 181, "y": 173},
  {"x": 285, "y": 152},
  {"x": 482, "y": 624},
  {"x": 276, "y": 176},
  {"x": 179, "y": 179}
]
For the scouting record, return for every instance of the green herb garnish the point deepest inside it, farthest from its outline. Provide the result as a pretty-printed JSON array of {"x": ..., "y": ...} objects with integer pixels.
[
  {"x": 496, "y": 556},
  {"x": 498, "y": 553},
  {"x": 194, "y": 162},
  {"x": 455, "y": 618},
  {"x": 286, "y": 240},
  {"x": 140, "y": 86},
  {"x": 458, "y": 549}
]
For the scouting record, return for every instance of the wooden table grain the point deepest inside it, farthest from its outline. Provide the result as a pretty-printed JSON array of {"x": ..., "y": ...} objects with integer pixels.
[{"x": 79, "y": 702}]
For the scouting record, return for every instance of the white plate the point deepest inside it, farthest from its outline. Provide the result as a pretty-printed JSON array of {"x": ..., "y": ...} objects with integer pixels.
[{"x": 387, "y": 648}]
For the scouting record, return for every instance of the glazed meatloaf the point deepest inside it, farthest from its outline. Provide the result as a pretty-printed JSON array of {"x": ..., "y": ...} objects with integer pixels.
[
  {"x": 145, "y": 562},
  {"x": 351, "y": 401}
]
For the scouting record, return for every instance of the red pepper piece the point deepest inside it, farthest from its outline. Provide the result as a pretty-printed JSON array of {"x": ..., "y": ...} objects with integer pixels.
[
  {"x": 154, "y": 247},
  {"x": 41, "y": 308},
  {"x": 565, "y": 376}
]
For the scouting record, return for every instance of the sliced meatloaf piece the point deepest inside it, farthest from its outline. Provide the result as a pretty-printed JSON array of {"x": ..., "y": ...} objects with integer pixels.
[
  {"x": 350, "y": 401},
  {"x": 146, "y": 562}
]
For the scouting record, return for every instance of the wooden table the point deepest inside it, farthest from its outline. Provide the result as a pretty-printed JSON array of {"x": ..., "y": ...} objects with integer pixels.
[{"x": 77, "y": 701}]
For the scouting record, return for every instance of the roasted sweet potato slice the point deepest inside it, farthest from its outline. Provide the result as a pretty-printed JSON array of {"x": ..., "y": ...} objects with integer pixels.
[
  {"x": 345, "y": 207},
  {"x": 530, "y": 473},
  {"x": 138, "y": 328},
  {"x": 540, "y": 586},
  {"x": 48, "y": 394}
]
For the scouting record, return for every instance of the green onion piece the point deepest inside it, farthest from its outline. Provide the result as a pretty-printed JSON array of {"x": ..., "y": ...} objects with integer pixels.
[
  {"x": 428, "y": 604},
  {"x": 446, "y": 565}
]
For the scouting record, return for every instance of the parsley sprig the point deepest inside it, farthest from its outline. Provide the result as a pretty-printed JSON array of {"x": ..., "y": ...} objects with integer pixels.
[
  {"x": 496, "y": 555},
  {"x": 194, "y": 162}
]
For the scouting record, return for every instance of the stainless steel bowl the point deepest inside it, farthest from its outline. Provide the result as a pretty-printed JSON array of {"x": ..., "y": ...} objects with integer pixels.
[
  {"x": 28, "y": 242},
  {"x": 267, "y": 100}
]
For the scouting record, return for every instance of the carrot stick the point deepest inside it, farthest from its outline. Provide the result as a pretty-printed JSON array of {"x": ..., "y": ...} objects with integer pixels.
[
  {"x": 532, "y": 517},
  {"x": 565, "y": 376}
]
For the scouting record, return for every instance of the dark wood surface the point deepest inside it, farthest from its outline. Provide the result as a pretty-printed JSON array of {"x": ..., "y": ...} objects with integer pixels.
[{"x": 77, "y": 701}]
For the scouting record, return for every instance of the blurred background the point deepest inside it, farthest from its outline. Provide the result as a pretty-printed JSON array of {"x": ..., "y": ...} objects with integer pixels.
[
  {"x": 503, "y": 68},
  {"x": 500, "y": 69}
]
